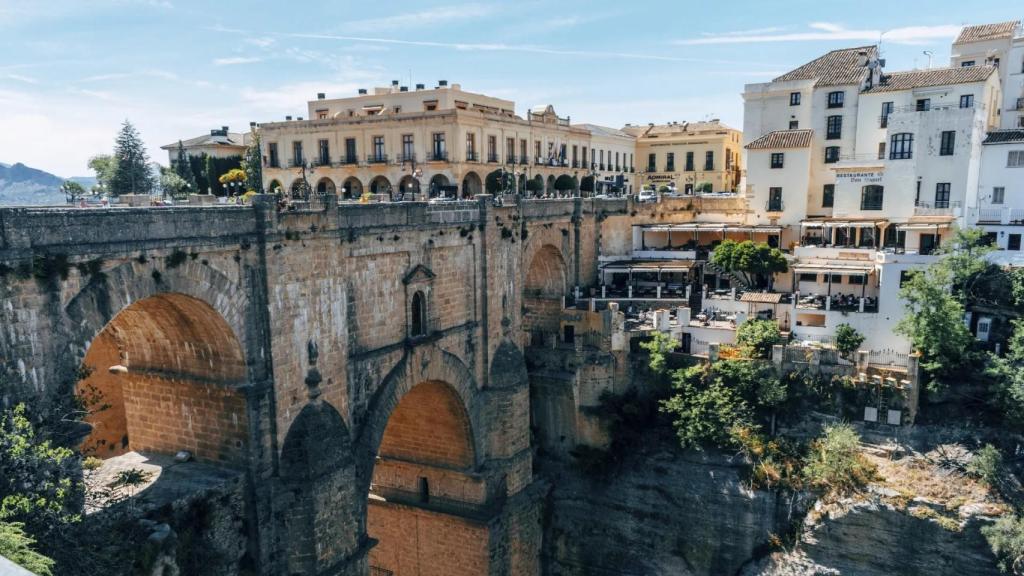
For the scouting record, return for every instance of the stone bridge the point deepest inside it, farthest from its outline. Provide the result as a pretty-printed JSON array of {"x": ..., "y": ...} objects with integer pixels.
[{"x": 361, "y": 365}]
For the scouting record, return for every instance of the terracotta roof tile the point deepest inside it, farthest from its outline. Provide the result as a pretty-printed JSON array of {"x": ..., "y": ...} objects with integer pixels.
[
  {"x": 935, "y": 77},
  {"x": 987, "y": 32},
  {"x": 782, "y": 139},
  {"x": 837, "y": 68}
]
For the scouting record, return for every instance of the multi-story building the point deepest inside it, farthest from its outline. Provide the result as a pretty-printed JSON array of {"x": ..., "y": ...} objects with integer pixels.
[
  {"x": 1000, "y": 45},
  {"x": 1000, "y": 197},
  {"x": 398, "y": 142},
  {"x": 688, "y": 157},
  {"x": 220, "y": 143},
  {"x": 609, "y": 164}
]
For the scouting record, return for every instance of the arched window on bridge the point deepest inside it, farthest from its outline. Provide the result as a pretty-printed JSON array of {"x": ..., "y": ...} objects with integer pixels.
[{"x": 418, "y": 314}]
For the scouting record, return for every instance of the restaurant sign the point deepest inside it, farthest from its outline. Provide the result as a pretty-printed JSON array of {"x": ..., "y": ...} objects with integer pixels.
[{"x": 859, "y": 177}]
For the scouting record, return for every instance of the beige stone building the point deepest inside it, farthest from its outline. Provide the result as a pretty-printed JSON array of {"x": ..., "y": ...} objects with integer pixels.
[
  {"x": 398, "y": 142},
  {"x": 611, "y": 161},
  {"x": 688, "y": 156},
  {"x": 219, "y": 143}
]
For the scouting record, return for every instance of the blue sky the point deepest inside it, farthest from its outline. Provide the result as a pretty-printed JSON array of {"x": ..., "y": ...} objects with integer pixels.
[{"x": 72, "y": 70}]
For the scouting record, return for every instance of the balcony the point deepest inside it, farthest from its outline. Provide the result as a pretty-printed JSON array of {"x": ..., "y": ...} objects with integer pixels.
[
  {"x": 510, "y": 159},
  {"x": 939, "y": 208},
  {"x": 323, "y": 163},
  {"x": 774, "y": 206},
  {"x": 524, "y": 160},
  {"x": 492, "y": 158},
  {"x": 837, "y": 302},
  {"x": 1000, "y": 215},
  {"x": 348, "y": 160},
  {"x": 438, "y": 156},
  {"x": 377, "y": 159},
  {"x": 472, "y": 156},
  {"x": 575, "y": 163},
  {"x": 403, "y": 158},
  {"x": 670, "y": 167},
  {"x": 1020, "y": 104},
  {"x": 297, "y": 163}
]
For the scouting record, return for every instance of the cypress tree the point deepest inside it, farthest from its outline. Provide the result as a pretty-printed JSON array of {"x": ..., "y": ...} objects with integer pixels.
[
  {"x": 132, "y": 174},
  {"x": 211, "y": 175},
  {"x": 183, "y": 168},
  {"x": 253, "y": 164}
]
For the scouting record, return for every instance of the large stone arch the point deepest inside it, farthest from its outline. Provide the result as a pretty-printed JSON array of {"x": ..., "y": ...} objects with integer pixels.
[
  {"x": 409, "y": 185},
  {"x": 351, "y": 188},
  {"x": 471, "y": 185},
  {"x": 380, "y": 185},
  {"x": 438, "y": 183},
  {"x": 545, "y": 284},
  {"x": 322, "y": 512},
  {"x": 325, "y": 186}
]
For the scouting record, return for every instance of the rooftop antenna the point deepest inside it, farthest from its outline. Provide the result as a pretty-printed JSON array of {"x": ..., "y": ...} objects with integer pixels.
[{"x": 928, "y": 53}]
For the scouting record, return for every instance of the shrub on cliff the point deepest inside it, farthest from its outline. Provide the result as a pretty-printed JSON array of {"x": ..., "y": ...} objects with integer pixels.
[
  {"x": 835, "y": 464},
  {"x": 1006, "y": 538},
  {"x": 756, "y": 337}
]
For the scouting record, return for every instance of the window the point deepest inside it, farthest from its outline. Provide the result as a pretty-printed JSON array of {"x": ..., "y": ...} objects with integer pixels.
[
  {"x": 967, "y": 101},
  {"x": 834, "y": 128},
  {"x": 775, "y": 199},
  {"x": 408, "y": 148},
  {"x": 942, "y": 195},
  {"x": 967, "y": 63},
  {"x": 524, "y": 160},
  {"x": 794, "y": 124},
  {"x": 510, "y": 150},
  {"x": 1013, "y": 242},
  {"x": 855, "y": 279},
  {"x": 835, "y": 99},
  {"x": 831, "y": 154},
  {"x": 923, "y": 104},
  {"x": 297, "y": 159},
  {"x": 378, "y": 149},
  {"x": 325, "y": 153},
  {"x": 881, "y": 150},
  {"x": 418, "y": 315},
  {"x": 689, "y": 161},
  {"x": 350, "y": 150},
  {"x": 321, "y": 114},
  {"x": 492, "y": 148},
  {"x": 828, "y": 196},
  {"x": 617, "y": 162},
  {"x": 947, "y": 142},
  {"x": 1015, "y": 159},
  {"x": 430, "y": 105},
  {"x": 887, "y": 108},
  {"x": 794, "y": 98},
  {"x": 901, "y": 146},
  {"x": 470, "y": 147},
  {"x": 651, "y": 166},
  {"x": 998, "y": 194},
  {"x": 871, "y": 197},
  {"x": 670, "y": 162},
  {"x": 777, "y": 159},
  {"x": 275, "y": 162},
  {"x": 837, "y": 278},
  {"x": 808, "y": 277},
  {"x": 709, "y": 160},
  {"x": 440, "y": 152}
]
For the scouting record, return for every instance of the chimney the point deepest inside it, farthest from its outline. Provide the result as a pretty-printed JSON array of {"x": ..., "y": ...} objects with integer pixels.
[
  {"x": 320, "y": 95},
  {"x": 288, "y": 118},
  {"x": 299, "y": 118},
  {"x": 224, "y": 128},
  {"x": 252, "y": 124},
  {"x": 362, "y": 91},
  {"x": 403, "y": 89},
  {"x": 456, "y": 86},
  {"x": 862, "y": 58},
  {"x": 442, "y": 83},
  {"x": 394, "y": 82},
  {"x": 420, "y": 86}
]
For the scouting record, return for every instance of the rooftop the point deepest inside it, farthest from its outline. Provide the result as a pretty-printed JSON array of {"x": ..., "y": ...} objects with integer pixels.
[
  {"x": 782, "y": 139},
  {"x": 220, "y": 137},
  {"x": 985, "y": 32},
  {"x": 605, "y": 131},
  {"x": 934, "y": 77},
  {"x": 677, "y": 128},
  {"x": 1011, "y": 136},
  {"x": 837, "y": 68}
]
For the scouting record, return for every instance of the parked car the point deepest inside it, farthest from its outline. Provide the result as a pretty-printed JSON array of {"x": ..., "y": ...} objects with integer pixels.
[{"x": 647, "y": 196}]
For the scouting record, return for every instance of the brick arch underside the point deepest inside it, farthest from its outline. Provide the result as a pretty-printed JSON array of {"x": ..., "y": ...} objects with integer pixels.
[
  {"x": 543, "y": 289},
  {"x": 181, "y": 366}
]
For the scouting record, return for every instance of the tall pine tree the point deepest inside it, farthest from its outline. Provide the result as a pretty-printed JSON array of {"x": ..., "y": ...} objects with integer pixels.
[
  {"x": 132, "y": 174},
  {"x": 183, "y": 168},
  {"x": 253, "y": 164}
]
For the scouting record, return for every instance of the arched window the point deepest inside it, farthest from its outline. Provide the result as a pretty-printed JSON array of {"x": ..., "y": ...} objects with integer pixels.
[
  {"x": 871, "y": 197},
  {"x": 419, "y": 314}
]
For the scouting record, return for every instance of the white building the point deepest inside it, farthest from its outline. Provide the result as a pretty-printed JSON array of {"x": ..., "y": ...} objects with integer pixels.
[
  {"x": 1000, "y": 45},
  {"x": 1000, "y": 197},
  {"x": 610, "y": 161}
]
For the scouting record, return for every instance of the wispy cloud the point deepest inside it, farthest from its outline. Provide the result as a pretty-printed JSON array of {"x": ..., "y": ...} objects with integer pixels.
[
  {"x": 828, "y": 31},
  {"x": 432, "y": 17},
  {"x": 21, "y": 78},
  {"x": 234, "y": 60}
]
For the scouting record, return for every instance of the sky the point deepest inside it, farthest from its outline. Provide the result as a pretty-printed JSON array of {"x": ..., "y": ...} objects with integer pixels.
[{"x": 71, "y": 71}]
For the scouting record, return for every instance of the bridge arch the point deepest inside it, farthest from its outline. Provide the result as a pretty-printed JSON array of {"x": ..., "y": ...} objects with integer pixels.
[{"x": 544, "y": 287}]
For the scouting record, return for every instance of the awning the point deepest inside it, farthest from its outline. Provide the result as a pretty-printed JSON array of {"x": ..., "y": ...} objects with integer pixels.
[
  {"x": 923, "y": 226},
  {"x": 648, "y": 266},
  {"x": 712, "y": 227},
  {"x": 761, "y": 297}
]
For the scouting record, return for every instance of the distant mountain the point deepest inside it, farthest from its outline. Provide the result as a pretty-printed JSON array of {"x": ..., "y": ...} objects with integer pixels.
[
  {"x": 20, "y": 184},
  {"x": 87, "y": 182}
]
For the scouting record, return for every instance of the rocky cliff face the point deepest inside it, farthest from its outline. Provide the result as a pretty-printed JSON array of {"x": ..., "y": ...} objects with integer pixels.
[
  {"x": 688, "y": 513},
  {"x": 662, "y": 513}
]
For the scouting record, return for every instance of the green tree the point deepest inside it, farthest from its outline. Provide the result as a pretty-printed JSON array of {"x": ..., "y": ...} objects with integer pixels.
[
  {"x": 757, "y": 263},
  {"x": 104, "y": 165},
  {"x": 659, "y": 346},
  {"x": 183, "y": 168},
  {"x": 210, "y": 171},
  {"x": 132, "y": 174},
  {"x": 564, "y": 183},
  {"x": 535, "y": 184},
  {"x": 72, "y": 190},
  {"x": 252, "y": 163},
  {"x": 756, "y": 337},
  {"x": 498, "y": 181},
  {"x": 17, "y": 546},
  {"x": 848, "y": 340},
  {"x": 1007, "y": 379},
  {"x": 835, "y": 464},
  {"x": 1006, "y": 538},
  {"x": 173, "y": 185}
]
